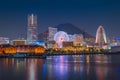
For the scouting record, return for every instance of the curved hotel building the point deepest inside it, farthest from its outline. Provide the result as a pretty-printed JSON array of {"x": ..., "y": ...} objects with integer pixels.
[{"x": 100, "y": 36}]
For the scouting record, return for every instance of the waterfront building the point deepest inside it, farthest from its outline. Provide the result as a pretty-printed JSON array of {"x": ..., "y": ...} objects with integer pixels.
[
  {"x": 51, "y": 44},
  {"x": 19, "y": 42},
  {"x": 30, "y": 49},
  {"x": 4, "y": 40},
  {"x": 115, "y": 48},
  {"x": 77, "y": 38},
  {"x": 101, "y": 36},
  {"x": 77, "y": 44},
  {"x": 39, "y": 50},
  {"x": 32, "y": 33},
  {"x": 7, "y": 49},
  {"x": 52, "y": 31},
  {"x": 67, "y": 44},
  {"x": 90, "y": 40}
]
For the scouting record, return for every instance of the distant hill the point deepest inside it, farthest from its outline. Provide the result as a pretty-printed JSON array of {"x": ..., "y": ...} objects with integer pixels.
[{"x": 70, "y": 29}]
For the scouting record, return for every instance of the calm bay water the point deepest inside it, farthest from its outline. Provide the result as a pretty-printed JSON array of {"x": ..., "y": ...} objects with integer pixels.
[{"x": 83, "y": 67}]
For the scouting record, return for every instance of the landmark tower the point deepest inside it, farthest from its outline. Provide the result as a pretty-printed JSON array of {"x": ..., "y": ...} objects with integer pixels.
[{"x": 32, "y": 34}]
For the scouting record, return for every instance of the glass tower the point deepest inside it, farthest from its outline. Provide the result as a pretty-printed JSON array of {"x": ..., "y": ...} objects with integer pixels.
[{"x": 32, "y": 34}]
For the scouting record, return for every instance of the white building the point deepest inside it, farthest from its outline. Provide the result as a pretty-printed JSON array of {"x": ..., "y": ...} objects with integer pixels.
[
  {"x": 4, "y": 40},
  {"x": 52, "y": 31},
  {"x": 101, "y": 37}
]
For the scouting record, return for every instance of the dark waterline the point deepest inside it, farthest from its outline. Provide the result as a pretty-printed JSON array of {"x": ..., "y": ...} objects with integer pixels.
[{"x": 81, "y": 67}]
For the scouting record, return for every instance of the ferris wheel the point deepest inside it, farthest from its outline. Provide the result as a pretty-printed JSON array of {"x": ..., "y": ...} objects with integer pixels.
[{"x": 60, "y": 37}]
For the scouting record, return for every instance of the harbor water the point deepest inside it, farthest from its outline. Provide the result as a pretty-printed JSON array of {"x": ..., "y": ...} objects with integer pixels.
[{"x": 66, "y": 67}]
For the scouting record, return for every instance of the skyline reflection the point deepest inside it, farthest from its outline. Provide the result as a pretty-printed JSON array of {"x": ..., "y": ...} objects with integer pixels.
[{"x": 95, "y": 67}]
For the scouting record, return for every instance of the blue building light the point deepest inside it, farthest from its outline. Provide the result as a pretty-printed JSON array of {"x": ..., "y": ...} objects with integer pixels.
[
  {"x": 42, "y": 43},
  {"x": 117, "y": 39}
]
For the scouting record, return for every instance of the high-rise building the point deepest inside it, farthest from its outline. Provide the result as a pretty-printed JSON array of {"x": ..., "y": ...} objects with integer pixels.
[
  {"x": 52, "y": 32},
  {"x": 101, "y": 36},
  {"x": 32, "y": 34},
  {"x": 4, "y": 40}
]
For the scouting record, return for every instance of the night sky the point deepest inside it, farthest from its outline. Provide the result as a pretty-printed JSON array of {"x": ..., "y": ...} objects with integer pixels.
[{"x": 85, "y": 14}]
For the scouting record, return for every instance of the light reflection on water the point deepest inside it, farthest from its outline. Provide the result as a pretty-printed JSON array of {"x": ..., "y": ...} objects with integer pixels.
[{"x": 82, "y": 67}]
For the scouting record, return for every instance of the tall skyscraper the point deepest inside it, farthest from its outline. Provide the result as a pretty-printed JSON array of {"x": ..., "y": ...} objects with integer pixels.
[
  {"x": 32, "y": 34},
  {"x": 52, "y": 32},
  {"x": 100, "y": 36}
]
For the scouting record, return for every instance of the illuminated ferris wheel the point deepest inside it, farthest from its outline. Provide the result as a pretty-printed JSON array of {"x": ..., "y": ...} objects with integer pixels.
[{"x": 60, "y": 37}]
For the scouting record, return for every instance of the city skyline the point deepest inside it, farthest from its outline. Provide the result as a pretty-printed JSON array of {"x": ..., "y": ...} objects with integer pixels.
[{"x": 87, "y": 15}]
